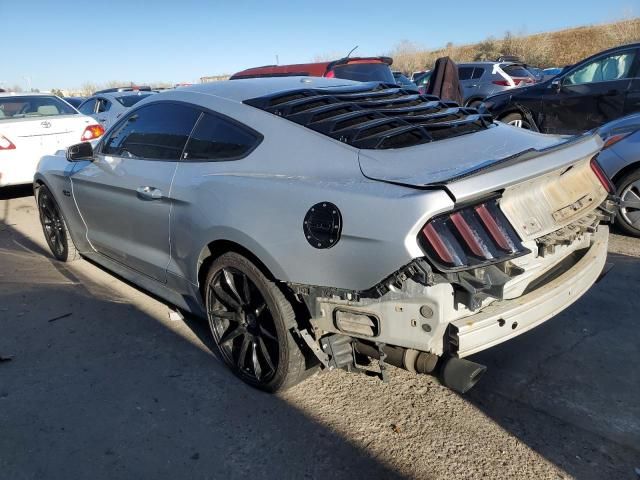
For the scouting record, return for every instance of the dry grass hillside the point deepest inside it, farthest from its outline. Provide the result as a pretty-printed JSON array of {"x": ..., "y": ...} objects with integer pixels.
[{"x": 550, "y": 49}]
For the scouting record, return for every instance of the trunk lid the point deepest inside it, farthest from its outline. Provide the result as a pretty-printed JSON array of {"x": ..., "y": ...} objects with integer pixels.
[
  {"x": 45, "y": 134},
  {"x": 438, "y": 162}
]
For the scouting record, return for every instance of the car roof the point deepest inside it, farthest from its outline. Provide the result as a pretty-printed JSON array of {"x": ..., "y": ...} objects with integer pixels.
[
  {"x": 123, "y": 94},
  {"x": 244, "y": 89},
  {"x": 26, "y": 94}
]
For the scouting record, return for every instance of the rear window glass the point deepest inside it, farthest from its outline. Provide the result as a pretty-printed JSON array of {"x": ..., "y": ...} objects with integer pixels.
[
  {"x": 216, "y": 139},
  {"x": 477, "y": 72},
  {"x": 365, "y": 72},
  {"x": 33, "y": 106},
  {"x": 516, "y": 71},
  {"x": 131, "y": 100},
  {"x": 464, "y": 73}
]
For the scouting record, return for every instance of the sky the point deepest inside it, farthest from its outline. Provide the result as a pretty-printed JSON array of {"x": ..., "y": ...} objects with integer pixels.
[{"x": 65, "y": 43}]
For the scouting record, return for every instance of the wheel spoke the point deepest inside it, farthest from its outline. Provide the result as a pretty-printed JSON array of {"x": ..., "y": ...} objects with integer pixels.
[
  {"x": 254, "y": 357},
  {"x": 634, "y": 218},
  {"x": 243, "y": 351},
  {"x": 246, "y": 289},
  {"x": 260, "y": 310},
  {"x": 231, "y": 334},
  {"x": 635, "y": 205},
  {"x": 267, "y": 334},
  {"x": 224, "y": 314},
  {"x": 228, "y": 276},
  {"x": 226, "y": 299},
  {"x": 265, "y": 354}
]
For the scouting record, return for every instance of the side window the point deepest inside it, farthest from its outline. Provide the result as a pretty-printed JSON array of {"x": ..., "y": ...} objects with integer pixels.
[
  {"x": 88, "y": 107},
  {"x": 103, "y": 105},
  {"x": 217, "y": 139},
  {"x": 604, "y": 69},
  {"x": 157, "y": 131},
  {"x": 477, "y": 73},
  {"x": 465, "y": 73}
]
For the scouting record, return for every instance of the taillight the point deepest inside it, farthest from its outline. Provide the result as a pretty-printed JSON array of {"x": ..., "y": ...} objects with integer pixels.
[
  {"x": 470, "y": 237},
  {"x": 6, "y": 144},
  {"x": 502, "y": 83},
  {"x": 92, "y": 132},
  {"x": 604, "y": 180}
]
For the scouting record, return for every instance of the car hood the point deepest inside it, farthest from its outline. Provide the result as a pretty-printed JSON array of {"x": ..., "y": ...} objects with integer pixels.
[{"x": 440, "y": 161}]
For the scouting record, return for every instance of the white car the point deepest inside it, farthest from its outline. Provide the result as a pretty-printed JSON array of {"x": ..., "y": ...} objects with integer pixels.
[
  {"x": 106, "y": 107},
  {"x": 33, "y": 125}
]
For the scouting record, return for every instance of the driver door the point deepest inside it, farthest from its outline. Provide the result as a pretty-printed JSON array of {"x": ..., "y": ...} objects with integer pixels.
[
  {"x": 590, "y": 95},
  {"x": 124, "y": 194}
]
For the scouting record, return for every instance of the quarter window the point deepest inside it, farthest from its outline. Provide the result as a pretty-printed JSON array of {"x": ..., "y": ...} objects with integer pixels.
[
  {"x": 217, "y": 139},
  {"x": 464, "y": 73},
  {"x": 88, "y": 107},
  {"x": 103, "y": 105},
  {"x": 613, "y": 67},
  {"x": 158, "y": 131},
  {"x": 477, "y": 73}
]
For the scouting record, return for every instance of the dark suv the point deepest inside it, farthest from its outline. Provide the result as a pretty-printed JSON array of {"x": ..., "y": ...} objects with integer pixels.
[
  {"x": 591, "y": 93},
  {"x": 481, "y": 79}
]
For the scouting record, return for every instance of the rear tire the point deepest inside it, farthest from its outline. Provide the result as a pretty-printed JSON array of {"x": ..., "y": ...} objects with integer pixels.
[
  {"x": 628, "y": 189},
  {"x": 516, "y": 120},
  {"x": 54, "y": 227},
  {"x": 251, "y": 322}
]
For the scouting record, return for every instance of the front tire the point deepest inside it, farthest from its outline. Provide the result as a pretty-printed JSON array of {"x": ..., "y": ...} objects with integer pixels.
[
  {"x": 628, "y": 189},
  {"x": 251, "y": 322},
  {"x": 55, "y": 229}
]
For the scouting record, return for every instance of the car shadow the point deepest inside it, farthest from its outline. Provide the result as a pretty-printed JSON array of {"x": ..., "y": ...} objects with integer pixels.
[
  {"x": 93, "y": 387},
  {"x": 569, "y": 389}
]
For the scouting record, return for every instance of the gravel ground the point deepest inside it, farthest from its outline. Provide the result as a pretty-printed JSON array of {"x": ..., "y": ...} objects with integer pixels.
[{"x": 118, "y": 390}]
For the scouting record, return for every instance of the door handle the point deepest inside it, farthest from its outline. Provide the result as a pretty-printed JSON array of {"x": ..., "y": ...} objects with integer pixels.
[
  {"x": 612, "y": 93},
  {"x": 149, "y": 193}
]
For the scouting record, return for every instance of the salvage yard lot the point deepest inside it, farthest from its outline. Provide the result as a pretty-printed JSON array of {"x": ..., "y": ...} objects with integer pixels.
[{"x": 102, "y": 384}]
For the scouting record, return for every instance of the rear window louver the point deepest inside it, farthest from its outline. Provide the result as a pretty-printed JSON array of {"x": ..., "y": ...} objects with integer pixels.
[{"x": 374, "y": 116}]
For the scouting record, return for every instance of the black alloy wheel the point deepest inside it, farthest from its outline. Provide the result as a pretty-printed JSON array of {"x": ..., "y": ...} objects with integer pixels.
[
  {"x": 250, "y": 320},
  {"x": 54, "y": 227}
]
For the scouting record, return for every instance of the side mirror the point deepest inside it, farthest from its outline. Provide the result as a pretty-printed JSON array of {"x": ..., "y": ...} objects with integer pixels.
[
  {"x": 556, "y": 84},
  {"x": 80, "y": 151}
]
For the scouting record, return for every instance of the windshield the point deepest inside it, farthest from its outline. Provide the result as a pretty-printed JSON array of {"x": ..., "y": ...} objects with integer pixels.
[
  {"x": 423, "y": 79},
  {"x": 365, "y": 72},
  {"x": 131, "y": 100},
  {"x": 403, "y": 80},
  {"x": 33, "y": 106}
]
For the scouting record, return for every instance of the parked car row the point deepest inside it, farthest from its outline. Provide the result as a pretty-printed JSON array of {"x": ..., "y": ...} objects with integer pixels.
[
  {"x": 594, "y": 92},
  {"x": 33, "y": 125}
]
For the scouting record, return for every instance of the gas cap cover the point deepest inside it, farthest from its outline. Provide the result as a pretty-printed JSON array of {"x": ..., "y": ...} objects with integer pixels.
[{"x": 323, "y": 225}]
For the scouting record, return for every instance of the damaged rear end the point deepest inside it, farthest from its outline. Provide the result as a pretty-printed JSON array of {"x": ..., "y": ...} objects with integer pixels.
[{"x": 525, "y": 238}]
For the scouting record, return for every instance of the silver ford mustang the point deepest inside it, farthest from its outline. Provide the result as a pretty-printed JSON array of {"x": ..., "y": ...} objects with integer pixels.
[{"x": 321, "y": 224}]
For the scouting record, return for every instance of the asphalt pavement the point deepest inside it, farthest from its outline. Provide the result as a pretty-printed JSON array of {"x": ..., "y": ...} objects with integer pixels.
[{"x": 98, "y": 381}]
